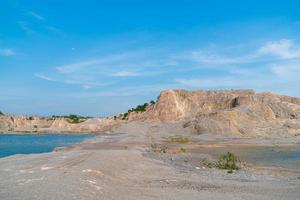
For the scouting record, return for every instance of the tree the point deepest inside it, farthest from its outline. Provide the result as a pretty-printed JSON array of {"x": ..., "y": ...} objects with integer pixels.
[{"x": 74, "y": 118}]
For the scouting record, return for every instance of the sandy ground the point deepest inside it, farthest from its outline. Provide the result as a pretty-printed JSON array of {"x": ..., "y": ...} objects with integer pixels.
[{"x": 122, "y": 165}]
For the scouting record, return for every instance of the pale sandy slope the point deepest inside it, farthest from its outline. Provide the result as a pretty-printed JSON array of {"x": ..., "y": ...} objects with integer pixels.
[{"x": 114, "y": 167}]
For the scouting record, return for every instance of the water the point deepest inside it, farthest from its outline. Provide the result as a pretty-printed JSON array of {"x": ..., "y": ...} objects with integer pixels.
[
  {"x": 285, "y": 157},
  {"x": 11, "y": 144}
]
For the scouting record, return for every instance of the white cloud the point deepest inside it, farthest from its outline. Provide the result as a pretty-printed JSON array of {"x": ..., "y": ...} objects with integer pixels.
[
  {"x": 7, "y": 52},
  {"x": 125, "y": 74},
  {"x": 25, "y": 26},
  {"x": 86, "y": 87},
  {"x": 288, "y": 71},
  {"x": 215, "y": 59},
  {"x": 35, "y": 15},
  {"x": 75, "y": 67},
  {"x": 55, "y": 30},
  {"x": 212, "y": 82},
  {"x": 44, "y": 77},
  {"x": 131, "y": 91},
  {"x": 271, "y": 51},
  {"x": 232, "y": 68},
  {"x": 284, "y": 48}
]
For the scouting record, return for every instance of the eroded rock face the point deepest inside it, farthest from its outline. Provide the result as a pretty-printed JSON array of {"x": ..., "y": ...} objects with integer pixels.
[
  {"x": 239, "y": 112},
  {"x": 176, "y": 105},
  {"x": 58, "y": 125},
  {"x": 234, "y": 112},
  {"x": 23, "y": 123}
]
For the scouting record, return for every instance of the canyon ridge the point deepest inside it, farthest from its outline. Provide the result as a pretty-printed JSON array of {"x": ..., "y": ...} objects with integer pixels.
[{"x": 242, "y": 113}]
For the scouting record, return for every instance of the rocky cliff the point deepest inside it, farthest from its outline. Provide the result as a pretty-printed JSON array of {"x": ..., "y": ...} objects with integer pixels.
[
  {"x": 234, "y": 112},
  {"x": 58, "y": 125},
  {"x": 241, "y": 112}
]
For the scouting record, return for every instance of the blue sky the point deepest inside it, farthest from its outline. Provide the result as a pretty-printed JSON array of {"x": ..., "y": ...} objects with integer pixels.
[{"x": 99, "y": 58}]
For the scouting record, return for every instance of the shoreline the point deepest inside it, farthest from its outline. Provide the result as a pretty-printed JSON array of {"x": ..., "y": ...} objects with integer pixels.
[
  {"x": 46, "y": 133},
  {"x": 39, "y": 143}
]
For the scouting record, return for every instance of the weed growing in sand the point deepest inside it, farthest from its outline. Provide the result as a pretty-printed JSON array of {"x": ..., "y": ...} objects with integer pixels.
[
  {"x": 183, "y": 150},
  {"x": 228, "y": 161},
  {"x": 158, "y": 148},
  {"x": 181, "y": 140}
]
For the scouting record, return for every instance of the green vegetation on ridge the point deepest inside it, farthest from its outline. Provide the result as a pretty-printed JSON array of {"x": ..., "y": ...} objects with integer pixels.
[
  {"x": 138, "y": 108},
  {"x": 72, "y": 118}
]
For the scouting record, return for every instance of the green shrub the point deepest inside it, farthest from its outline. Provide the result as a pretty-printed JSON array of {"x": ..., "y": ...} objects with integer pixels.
[
  {"x": 74, "y": 118},
  {"x": 1, "y": 113},
  {"x": 180, "y": 140},
  {"x": 228, "y": 161},
  {"x": 158, "y": 148},
  {"x": 125, "y": 116},
  {"x": 208, "y": 164},
  {"x": 31, "y": 118}
]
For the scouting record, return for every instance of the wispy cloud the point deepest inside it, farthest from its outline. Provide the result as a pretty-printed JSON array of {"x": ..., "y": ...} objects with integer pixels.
[
  {"x": 25, "y": 26},
  {"x": 44, "y": 77},
  {"x": 55, "y": 30},
  {"x": 214, "y": 82},
  {"x": 287, "y": 71},
  {"x": 210, "y": 58},
  {"x": 125, "y": 74},
  {"x": 38, "y": 26},
  {"x": 131, "y": 90},
  {"x": 200, "y": 68},
  {"x": 275, "y": 65},
  {"x": 273, "y": 50},
  {"x": 284, "y": 48},
  {"x": 35, "y": 15},
  {"x": 98, "y": 62},
  {"x": 7, "y": 52}
]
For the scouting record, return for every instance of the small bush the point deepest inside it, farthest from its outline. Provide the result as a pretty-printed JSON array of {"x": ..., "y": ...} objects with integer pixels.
[
  {"x": 125, "y": 116},
  {"x": 74, "y": 119},
  {"x": 1, "y": 113},
  {"x": 158, "y": 148},
  {"x": 183, "y": 150},
  {"x": 228, "y": 161},
  {"x": 180, "y": 140},
  {"x": 208, "y": 164}
]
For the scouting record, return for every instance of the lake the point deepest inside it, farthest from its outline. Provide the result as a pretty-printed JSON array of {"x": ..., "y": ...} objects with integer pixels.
[{"x": 11, "y": 144}]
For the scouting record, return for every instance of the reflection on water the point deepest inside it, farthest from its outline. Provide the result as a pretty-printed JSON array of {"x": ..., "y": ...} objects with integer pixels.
[{"x": 30, "y": 143}]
